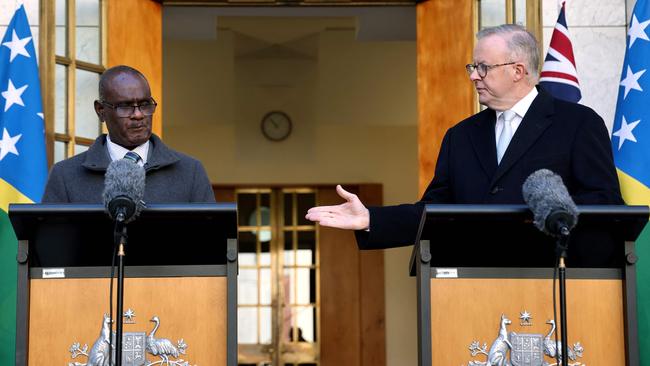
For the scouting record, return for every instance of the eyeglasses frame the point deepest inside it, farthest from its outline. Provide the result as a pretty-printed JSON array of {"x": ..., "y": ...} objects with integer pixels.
[
  {"x": 115, "y": 107},
  {"x": 471, "y": 67}
]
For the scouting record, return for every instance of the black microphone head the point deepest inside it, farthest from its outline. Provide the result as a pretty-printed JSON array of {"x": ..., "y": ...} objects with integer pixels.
[
  {"x": 124, "y": 190},
  {"x": 550, "y": 202}
]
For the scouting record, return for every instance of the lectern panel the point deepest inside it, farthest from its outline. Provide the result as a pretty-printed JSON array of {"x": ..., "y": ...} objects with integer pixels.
[
  {"x": 66, "y": 314},
  {"x": 466, "y": 318}
]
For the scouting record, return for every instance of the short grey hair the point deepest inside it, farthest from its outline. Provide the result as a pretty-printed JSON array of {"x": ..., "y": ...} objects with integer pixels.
[{"x": 521, "y": 43}]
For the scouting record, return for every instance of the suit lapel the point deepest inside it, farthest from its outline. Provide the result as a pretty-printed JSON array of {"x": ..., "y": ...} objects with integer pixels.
[
  {"x": 534, "y": 123},
  {"x": 483, "y": 141}
]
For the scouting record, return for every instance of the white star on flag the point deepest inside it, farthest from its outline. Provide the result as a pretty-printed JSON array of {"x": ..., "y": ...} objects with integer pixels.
[
  {"x": 8, "y": 144},
  {"x": 637, "y": 30},
  {"x": 631, "y": 81},
  {"x": 17, "y": 46},
  {"x": 12, "y": 95},
  {"x": 625, "y": 132}
]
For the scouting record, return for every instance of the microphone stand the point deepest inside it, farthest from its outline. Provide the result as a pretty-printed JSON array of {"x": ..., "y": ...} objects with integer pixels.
[
  {"x": 561, "y": 250},
  {"x": 121, "y": 238}
]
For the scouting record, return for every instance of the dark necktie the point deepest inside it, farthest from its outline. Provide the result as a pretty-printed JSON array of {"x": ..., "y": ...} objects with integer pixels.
[{"x": 134, "y": 157}]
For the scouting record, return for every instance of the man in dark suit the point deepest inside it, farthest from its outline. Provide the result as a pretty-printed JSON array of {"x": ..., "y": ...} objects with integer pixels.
[{"x": 486, "y": 158}]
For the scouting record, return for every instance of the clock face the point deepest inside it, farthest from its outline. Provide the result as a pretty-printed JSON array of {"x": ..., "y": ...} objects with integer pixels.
[{"x": 276, "y": 126}]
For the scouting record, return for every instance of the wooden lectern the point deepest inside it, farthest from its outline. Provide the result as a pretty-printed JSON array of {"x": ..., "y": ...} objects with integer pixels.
[
  {"x": 485, "y": 291},
  {"x": 180, "y": 289}
]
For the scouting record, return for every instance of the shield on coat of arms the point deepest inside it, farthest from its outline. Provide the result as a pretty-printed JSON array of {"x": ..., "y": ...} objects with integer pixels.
[
  {"x": 133, "y": 349},
  {"x": 526, "y": 349}
]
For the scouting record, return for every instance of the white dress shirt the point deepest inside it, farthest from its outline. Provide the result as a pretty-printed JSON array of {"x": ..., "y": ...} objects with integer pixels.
[
  {"x": 520, "y": 108},
  {"x": 117, "y": 152}
]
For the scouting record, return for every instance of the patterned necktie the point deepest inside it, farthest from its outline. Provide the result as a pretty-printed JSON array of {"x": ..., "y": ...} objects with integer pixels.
[
  {"x": 506, "y": 133},
  {"x": 133, "y": 156}
]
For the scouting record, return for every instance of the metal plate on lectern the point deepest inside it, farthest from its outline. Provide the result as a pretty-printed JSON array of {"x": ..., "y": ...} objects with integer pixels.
[
  {"x": 135, "y": 347},
  {"x": 522, "y": 349}
]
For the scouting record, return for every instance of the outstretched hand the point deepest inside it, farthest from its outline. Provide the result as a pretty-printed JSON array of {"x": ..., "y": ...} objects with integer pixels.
[{"x": 351, "y": 214}]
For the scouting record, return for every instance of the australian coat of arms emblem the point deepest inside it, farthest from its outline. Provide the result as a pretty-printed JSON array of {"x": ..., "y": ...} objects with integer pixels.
[
  {"x": 135, "y": 347},
  {"x": 523, "y": 349}
]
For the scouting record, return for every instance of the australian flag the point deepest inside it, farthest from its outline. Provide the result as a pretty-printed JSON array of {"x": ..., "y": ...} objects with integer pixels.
[{"x": 559, "y": 76}]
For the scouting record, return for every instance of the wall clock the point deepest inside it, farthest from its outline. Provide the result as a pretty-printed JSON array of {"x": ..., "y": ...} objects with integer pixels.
[{"x": 276, "y": 126}]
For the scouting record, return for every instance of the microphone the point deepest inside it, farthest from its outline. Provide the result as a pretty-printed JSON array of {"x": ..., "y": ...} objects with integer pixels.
[
  {"x": 554, "y": 211},
  {"x": 124, "y": 190}
]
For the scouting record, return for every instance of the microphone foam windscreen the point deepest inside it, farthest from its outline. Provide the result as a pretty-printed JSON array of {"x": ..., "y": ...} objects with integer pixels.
[
  {"x": 545, "y": 192},
  {"x": 126, "y": 179}
]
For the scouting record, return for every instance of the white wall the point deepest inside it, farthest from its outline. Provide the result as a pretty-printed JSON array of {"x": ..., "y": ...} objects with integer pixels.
[{"x": 7, "y": 9}]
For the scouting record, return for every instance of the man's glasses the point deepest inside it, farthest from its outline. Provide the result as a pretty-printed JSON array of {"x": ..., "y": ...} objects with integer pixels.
[
  {"x": 123, "y": 110},
  {"x": 482, "y": 69}
]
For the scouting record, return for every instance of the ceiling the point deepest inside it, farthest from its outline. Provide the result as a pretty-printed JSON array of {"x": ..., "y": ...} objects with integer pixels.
[{"x": 283, "y": 25}]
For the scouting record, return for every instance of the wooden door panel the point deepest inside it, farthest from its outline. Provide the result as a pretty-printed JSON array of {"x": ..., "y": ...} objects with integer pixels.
[{"x": 134, "y": 38}]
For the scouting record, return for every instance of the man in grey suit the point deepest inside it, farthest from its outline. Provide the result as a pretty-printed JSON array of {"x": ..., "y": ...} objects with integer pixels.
[
  {"x": 126, "y": 105},
  {"x": 486, "y": 158}
]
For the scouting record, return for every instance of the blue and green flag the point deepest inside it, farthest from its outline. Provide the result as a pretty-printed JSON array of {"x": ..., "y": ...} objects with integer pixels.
[
  {"x": 23, "y": 163},
  {"x": 631, "y": 146}
]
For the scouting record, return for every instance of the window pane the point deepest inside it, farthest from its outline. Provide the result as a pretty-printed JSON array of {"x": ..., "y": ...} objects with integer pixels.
[
  {"x": 265, "y": 325},
  {"x": 247, "y": 249},
  {"x": 305, "y": 202},
  {"x": 265, "y": 255},
  {"x": 78, "y": 149},
  {"x": 88, "y": 39},
  {"x": 288, "y": 282},
  {"x": 247, "y": 325},
  {"x": 247, "y": 287},
  {"x": 288, "y": 248},
  {"x": 265, "y": 200},
  {"x": 61, "y": 24},
  {"x": 265, "y": 218},
  {"x": 246, "y": 204},
  {"x": 520, "y": 12},
  {"x": 288, "y": 206},
  {"x": 306, "y": 323},
  {"x": 306, "y": 248},
  {"x": 60, "y": 99},
  {"x": 59, "y": 150},
  {"x": 265, "y": 286},
  {"x": 493, "y": 12},
  {"x": 304, "y": 286},
  {"x": 86, "y": 121}
]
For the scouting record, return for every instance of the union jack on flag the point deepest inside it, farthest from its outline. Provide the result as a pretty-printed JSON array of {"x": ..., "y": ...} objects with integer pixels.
[{"x": 559, "y": 76}]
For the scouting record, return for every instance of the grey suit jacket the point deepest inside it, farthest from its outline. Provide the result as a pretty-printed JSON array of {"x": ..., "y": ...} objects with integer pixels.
[{"x": 171, "y": 177}]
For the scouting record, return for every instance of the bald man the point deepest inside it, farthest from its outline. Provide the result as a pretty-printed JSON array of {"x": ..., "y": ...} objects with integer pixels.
[{"x": 126, "y": 106}]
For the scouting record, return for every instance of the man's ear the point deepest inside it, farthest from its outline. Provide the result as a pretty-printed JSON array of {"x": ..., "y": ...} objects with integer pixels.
[
  {"x": 520, "y": 71},
  {"x": 99, "y": 109}
]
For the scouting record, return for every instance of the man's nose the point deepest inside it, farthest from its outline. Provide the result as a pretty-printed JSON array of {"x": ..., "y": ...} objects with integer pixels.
[
  {"x": 137, "y": 113},
  {"x": 473, "y": 76}
]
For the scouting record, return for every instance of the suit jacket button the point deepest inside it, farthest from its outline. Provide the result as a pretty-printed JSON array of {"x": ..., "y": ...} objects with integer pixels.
[{"x": 495, "y": 190}]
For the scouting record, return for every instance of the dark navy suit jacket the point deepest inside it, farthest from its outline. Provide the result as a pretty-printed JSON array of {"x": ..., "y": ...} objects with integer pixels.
[{"x": 567, "y": 138}]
